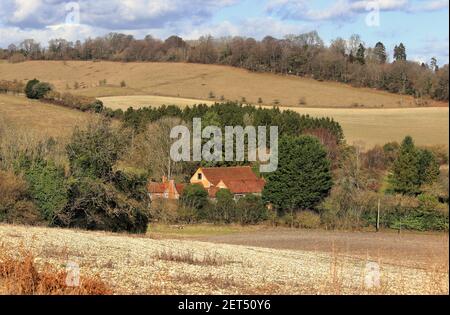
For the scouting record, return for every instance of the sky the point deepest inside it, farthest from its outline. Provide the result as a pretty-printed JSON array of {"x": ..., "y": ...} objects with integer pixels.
[{"x": 422, "y": 25}]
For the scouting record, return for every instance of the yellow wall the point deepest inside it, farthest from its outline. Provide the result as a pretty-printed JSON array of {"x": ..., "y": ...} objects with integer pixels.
[{"x": 203, "y": 181}]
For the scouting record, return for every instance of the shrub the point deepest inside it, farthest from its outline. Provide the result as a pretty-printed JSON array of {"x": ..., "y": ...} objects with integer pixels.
[
  {"x": 96, "y": 205},
  {"x": 123, "y": 84},
  {"x": 40, "y": 89},
  {"x": 47, "y": 186},
  {"x": 96, "y": 106},
  {"x": 251, "y": 210},
  {"x": 29, "y": 91},
  {"x": 224, "y": 210},
  {"x": 307, "y": 220},
  {"x": 195, "y": 196},
  {"x": 15, "y": 206},
  {"x": 165, "y": 211},
  {"x": 93, "y": 151}
]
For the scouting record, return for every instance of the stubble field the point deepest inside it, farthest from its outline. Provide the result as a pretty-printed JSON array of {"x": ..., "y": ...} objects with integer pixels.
[{"x": 161, "y": 265}]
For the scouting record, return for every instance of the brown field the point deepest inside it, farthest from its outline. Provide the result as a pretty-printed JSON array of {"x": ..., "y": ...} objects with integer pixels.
[
  {"x": 197, "y": 81},
  {"x": 428, "y": 126},
  {"x": 37, "y": 118},
  {"x": 159, "y": 264}
]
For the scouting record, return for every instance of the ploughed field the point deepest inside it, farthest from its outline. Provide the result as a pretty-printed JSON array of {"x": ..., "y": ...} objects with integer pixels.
[{"x": 158, "y": 264}]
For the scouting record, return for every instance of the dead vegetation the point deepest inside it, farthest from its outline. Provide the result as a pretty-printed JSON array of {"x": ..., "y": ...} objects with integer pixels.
[
  {"x": 189, "y": 257},
  {"x": 21, "y": 276}
]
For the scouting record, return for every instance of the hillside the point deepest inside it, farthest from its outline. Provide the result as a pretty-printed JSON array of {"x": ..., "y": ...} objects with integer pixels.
[
  {"x": 198, "y": 81},
  {"x": 39, "y": 119}
]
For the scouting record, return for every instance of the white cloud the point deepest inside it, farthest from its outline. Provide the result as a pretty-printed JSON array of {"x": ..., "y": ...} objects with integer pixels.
[
  {"x": 111, "y": 14},
  {"x": 251, "y": 27},
  {"x": 347, "y": 9}
]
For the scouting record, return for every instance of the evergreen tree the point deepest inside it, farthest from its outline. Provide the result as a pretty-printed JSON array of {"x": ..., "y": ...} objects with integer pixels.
[
  {"x": 360, "y": 54},
  {"x": 400, "y": 52},
  {"x": 428, "y": 167},
  {"x": 380, "y": 53},
  {"x": 405, "y": 175},
  {"x": 303, "y": 177}
]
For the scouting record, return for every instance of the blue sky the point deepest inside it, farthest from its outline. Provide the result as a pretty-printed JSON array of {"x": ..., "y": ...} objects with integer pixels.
[{"x": 422, "y": 25}]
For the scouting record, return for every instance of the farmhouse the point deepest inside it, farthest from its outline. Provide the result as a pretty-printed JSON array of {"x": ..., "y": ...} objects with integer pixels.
[
  {"x": 240, "y": 180},
  {"x": 167, "y": 189}
]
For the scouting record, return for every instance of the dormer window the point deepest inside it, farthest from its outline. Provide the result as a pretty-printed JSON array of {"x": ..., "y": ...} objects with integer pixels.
[{"x": 199, "y": 176}]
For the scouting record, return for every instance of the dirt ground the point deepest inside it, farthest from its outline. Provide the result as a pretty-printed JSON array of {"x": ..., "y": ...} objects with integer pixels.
[
  {"x": 406, "y": 248},
  {"x": 150, "y": 265}
]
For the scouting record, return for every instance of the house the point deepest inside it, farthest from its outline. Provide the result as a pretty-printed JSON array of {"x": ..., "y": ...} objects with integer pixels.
[
  {"x": 239, "y": 180},
  {"x": 167, "y": 189}
]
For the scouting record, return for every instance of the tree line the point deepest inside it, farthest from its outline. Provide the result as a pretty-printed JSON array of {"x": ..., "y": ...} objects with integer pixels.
[{"x": 344, "y": 60}]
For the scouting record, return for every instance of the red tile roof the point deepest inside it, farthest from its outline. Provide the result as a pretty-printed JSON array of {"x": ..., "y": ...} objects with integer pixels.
[
  {"x": 239, "y": 180},
  {"x": 216, "y": 174},
  {"x": 245, "y": 186},
  {"x": 160, "y": 188},
  {"x": 157, "y": 188}
]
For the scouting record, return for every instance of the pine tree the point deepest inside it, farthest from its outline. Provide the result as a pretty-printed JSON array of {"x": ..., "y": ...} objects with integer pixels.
[
  {"x": 360, "y": 54},
  {"x": 303, "y": 177},
  {"x": 428, "y": 167},
  {"x": 400, "y": 52},
  {"x": 380, "y": 53},
  {"x": 405, "y": 171}
]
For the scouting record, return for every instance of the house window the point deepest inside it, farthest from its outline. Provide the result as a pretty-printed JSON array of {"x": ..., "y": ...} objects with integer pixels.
[{"x": 199, "y": 176}]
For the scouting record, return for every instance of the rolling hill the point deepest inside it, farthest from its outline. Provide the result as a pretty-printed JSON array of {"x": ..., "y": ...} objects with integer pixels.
[{"x": 198, "y": 81}]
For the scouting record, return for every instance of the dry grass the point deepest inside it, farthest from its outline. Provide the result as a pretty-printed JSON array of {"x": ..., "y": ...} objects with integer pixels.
[
  {"x": 39, "y": 119},
  {"x": 197, "y": 81},
  {"x": 21, "y": 276},
  {"x": 137, "y": 101},
  {"x": 189, "y": 257}
]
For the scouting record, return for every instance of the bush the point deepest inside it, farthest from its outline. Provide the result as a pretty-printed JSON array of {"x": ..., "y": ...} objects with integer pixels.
[
  {"x": 29, "y": 91},
  {"x": 47, "y": 186},
  {"x": 224, "y": 210},
  {"x": 15, "y": 205},
  {"x": 195, "y": 196},
  {"x": 40, "y": 89},
  {"x": 93, "y": 151},
  {"x": 96, "y": 205},
  {"x": 251, "y": 210},
  {"x": 164, "y": 211},
  {"x": 307, "y": 220}
]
